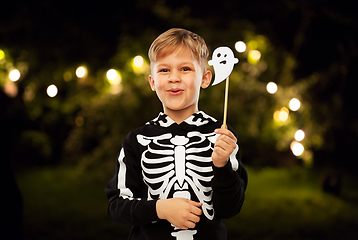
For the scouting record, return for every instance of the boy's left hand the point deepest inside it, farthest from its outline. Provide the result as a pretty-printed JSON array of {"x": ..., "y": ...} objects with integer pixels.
[{"x": 224, "y": 146}]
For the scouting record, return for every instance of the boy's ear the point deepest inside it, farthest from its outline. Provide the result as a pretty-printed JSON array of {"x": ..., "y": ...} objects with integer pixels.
[
  {"x": 206, "y": 79},
  {"x": 151, "y": 83}
]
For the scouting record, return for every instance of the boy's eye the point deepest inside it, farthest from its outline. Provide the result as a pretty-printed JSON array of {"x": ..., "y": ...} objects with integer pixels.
[
  {"x": 164, "y": 70},
  {"x": 186, "y": 69}
]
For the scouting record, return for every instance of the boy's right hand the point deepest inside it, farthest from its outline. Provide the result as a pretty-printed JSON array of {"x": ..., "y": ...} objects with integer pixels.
[{"x": 181, "y": 212}]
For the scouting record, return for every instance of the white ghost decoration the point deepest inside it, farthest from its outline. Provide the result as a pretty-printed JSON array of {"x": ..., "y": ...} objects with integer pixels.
[{"x": 223, "y": 62}]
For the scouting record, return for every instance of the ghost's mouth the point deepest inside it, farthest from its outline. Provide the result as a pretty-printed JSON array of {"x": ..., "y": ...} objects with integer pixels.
[{"x": 223, "y": 62}]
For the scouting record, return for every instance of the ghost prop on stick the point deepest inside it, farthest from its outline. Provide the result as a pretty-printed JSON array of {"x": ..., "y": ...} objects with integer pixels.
[{"x": 223, "y": 62}]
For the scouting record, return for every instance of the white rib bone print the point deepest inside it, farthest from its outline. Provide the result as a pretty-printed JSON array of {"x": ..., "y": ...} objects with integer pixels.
[{"x": 182, "y": 163}]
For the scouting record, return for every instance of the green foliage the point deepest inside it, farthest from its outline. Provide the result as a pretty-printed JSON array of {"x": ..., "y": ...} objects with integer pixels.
[
  {"x": 99, "y": 114},
  {"x": 36, "y": 141},
  {"x": 106, "y": 118},
  {"x": 89, "y": 117}
]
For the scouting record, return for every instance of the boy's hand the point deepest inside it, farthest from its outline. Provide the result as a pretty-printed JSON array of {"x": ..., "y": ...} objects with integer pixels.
[
  {"x": 224, "y": 146},
  {"x": 181, "y": 212}
]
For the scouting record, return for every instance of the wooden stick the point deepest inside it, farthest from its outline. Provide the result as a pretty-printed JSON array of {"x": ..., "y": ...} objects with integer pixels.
[{"x": 226, "y": 101}]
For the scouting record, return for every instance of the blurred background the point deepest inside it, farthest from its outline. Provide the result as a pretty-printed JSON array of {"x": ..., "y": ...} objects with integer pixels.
[{"x": 73, "y": 83}]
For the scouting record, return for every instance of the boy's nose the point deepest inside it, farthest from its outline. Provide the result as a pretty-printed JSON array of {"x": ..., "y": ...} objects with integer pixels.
[{"x": 174, "y": 77}]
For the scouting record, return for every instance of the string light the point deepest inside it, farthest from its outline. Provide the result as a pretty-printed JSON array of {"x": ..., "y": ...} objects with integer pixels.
[
  {"x": 14, "y": 75},
  {"x": 299, "y": 135},
  {"x": 297, "y": 148},
  {"x": 52, "y": 90},
  {"x": 271, "y": 87},
  {"x": 240, "y": 46},
  {"x": 2, "y": 55},
  {"x": 114, "y": 77},
  {"x": 81, "y": 72},
  {"x": 11, "y": 89},
  {"x": 294, "y": 104},
  {"x": 254, "y": 56},
  {"x": 138, "y": 61},
  {"x": 139, "y": 65},
  {"x": 281, "y": 115}
]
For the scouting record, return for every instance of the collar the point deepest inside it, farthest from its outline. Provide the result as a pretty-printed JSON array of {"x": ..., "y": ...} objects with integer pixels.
[{"x": 197, "y": 119}]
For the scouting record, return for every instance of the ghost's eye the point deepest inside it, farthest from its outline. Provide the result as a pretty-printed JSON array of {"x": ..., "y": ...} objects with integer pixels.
[
  {"x": 225, "y": 55},
  {"x": 219, "y": 55}
]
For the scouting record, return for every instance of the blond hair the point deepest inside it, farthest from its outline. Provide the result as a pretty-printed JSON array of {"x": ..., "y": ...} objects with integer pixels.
[{"x": 176, "y": 38}]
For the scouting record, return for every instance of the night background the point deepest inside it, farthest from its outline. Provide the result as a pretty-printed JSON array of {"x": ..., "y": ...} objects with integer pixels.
[{"x": 58, "y": 144}]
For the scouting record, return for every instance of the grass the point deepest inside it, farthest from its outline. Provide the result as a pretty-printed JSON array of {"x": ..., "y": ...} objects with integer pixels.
[
  {"x": 63, "y": 203},
  {"x": 289, "y": 204}
]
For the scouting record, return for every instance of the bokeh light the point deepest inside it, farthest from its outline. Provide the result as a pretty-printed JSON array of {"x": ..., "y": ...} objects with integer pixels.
[
  {"x": 139, "y": 65},
  {"x": 253, "y": 56},
  {"x": 299, "y": 135},
  {"x": 240, "y": 46},
  {"x": 14, "y": 75},
  {"x": 138, "y": 61},
  {"x": 113, "y": 77},
  {"x": 294, "y": 104},
  {"x": 271, "y": 87},
  {"x": 111, "y": 74},
  {"x": 2, "y": 55},
  {"x": 79, "y": 121},
  {"x": 81, "y": 72},
  {"x": 297, "y": 148},
  {"x": 52, "y": 90},
  {"x": 11, "y": 89},
  {"x": 281, "y": 115}
]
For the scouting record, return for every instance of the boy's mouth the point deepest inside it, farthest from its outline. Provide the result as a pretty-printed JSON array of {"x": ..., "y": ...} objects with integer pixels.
[{"x": 175, "y": 91}]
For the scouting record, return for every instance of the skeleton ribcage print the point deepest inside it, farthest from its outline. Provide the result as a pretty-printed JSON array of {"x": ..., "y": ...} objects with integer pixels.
[{"x": 176, "y": 166}]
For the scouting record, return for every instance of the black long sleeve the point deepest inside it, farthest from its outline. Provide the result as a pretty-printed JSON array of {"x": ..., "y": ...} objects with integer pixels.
[{"x": 228, "y": 190}]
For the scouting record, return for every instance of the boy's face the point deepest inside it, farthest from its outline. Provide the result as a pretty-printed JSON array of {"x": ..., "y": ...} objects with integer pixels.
[{"x": 177, "y": 78}]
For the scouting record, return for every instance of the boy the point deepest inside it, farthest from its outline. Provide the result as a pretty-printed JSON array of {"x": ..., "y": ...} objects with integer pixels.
[{"x": 180, "y": 175}]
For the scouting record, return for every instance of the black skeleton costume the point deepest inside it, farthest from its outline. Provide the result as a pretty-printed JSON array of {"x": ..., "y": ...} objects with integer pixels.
[{"x": 163, "y": 159}]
